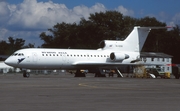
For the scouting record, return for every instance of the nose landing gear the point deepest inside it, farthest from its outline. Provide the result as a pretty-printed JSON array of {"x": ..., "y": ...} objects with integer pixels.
[{"x": 26, "y": 74}]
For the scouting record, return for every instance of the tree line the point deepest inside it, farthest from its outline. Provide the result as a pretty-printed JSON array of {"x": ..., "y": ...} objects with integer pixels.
[
  {"x": 109, "y": 25},
  {"x": 7, "y": 48}
]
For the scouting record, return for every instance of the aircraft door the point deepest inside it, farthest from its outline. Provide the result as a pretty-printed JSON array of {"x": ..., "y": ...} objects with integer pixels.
[
  {"x": 28, "y": 58},
  {"x": 34, "y": 57},
  {"x": 63, "y": 59}
]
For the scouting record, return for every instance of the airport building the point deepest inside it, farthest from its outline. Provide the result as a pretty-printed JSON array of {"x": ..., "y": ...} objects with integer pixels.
[
  {"x": 157, "y": 60},
  {"x": 5, "y": 68}
]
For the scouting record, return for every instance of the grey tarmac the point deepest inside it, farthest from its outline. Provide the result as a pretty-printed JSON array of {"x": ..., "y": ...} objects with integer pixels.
[{"x": 64, "y": 92}]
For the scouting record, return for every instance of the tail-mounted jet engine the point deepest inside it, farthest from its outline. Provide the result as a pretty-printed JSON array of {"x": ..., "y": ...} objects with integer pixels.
[{"x": 118, "y": 56}]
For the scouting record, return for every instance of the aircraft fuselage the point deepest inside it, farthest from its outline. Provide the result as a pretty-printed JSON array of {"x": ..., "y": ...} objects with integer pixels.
[{"x": 40, "y": 58}]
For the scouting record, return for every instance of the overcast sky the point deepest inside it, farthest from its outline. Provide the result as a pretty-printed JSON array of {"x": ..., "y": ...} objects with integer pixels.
[{"x": 26, "y": 19}]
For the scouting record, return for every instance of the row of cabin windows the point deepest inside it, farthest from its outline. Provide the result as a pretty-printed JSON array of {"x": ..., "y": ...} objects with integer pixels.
[
  {"x": 71, "y": 55},
  {"x": 158, "y": 59}
]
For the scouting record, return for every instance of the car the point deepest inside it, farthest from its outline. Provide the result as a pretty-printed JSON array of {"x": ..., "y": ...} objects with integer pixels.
[{"x": 156, "y": 71}]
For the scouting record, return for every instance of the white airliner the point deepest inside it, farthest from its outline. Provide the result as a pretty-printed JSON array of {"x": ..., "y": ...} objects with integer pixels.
[{"x": 113, "y": 54}]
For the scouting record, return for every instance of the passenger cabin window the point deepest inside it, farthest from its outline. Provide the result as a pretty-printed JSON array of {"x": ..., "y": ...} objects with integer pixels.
[{"x": 68, "y": 55}]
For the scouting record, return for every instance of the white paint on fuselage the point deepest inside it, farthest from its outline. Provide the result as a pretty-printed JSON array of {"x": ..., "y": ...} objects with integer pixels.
[{"x": 43, "y": 58}]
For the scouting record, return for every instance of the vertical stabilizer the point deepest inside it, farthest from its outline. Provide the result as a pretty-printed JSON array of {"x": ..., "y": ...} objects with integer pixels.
[
  {"x": 136, "y": 39},
  {"x": 133, "y": 43}
]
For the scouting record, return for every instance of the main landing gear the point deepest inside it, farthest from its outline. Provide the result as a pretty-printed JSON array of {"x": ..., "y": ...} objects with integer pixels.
[
  {"x": 25, "y": 74},
  {"x": 99, "y": 73},
  {"x": 79, "y": 73}
]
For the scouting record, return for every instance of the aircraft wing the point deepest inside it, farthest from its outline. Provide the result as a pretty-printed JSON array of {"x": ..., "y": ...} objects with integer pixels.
[{"x": 111, "y": 64}]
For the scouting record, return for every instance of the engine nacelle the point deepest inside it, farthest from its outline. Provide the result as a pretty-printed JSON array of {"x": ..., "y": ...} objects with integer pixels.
[{"x": 118, "y": 56}]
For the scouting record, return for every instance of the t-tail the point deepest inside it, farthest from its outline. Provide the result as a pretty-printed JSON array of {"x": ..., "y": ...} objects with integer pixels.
[{"x": 134, "y": 42}]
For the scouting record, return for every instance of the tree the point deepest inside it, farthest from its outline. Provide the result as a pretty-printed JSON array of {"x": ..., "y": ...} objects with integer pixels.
[
  {"x": 170, "y": 43},
  {"x": 29, "y": 46},
  {"x": 88, "y": 33},
  {"x": 15, "y": 44},
  {"x": 11, "y": 46},
  {"x": 4, "y": 46},
  {"x": 63, "y": 36},
  {"x": 154, "y": 38},
  {"x": 109, "y": 25}
]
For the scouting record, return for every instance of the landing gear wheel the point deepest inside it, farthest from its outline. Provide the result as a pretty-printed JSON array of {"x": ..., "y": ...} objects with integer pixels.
[
  {"x": 25, "y": 74},
  {"x": 79, "y": 74},
  {"x": 99, "y": 75}
]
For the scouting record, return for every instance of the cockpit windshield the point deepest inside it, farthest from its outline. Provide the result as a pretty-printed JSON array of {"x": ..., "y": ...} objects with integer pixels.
[{"x": 17, "y": 54}]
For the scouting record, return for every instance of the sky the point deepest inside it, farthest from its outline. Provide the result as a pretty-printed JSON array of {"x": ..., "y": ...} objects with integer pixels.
[{"x": 27, "y": 19}]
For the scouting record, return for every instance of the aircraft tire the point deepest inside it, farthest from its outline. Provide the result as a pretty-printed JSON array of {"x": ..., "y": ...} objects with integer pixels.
[
  {"x": 99, "y": 75},
  {"x": 25, "y": 74},
  {"x": 80, "y": 75}
]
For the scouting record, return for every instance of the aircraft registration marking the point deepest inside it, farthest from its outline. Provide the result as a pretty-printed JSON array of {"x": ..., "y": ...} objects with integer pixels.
[{"x": 54, "y": 52}]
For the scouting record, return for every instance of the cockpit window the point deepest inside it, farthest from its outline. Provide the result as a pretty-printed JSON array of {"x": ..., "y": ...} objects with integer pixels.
[{"x": 15, "y": 54}]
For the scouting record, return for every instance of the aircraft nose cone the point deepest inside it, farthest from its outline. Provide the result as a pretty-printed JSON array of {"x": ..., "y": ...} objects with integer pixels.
[{"x": 9, "y": 62}]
